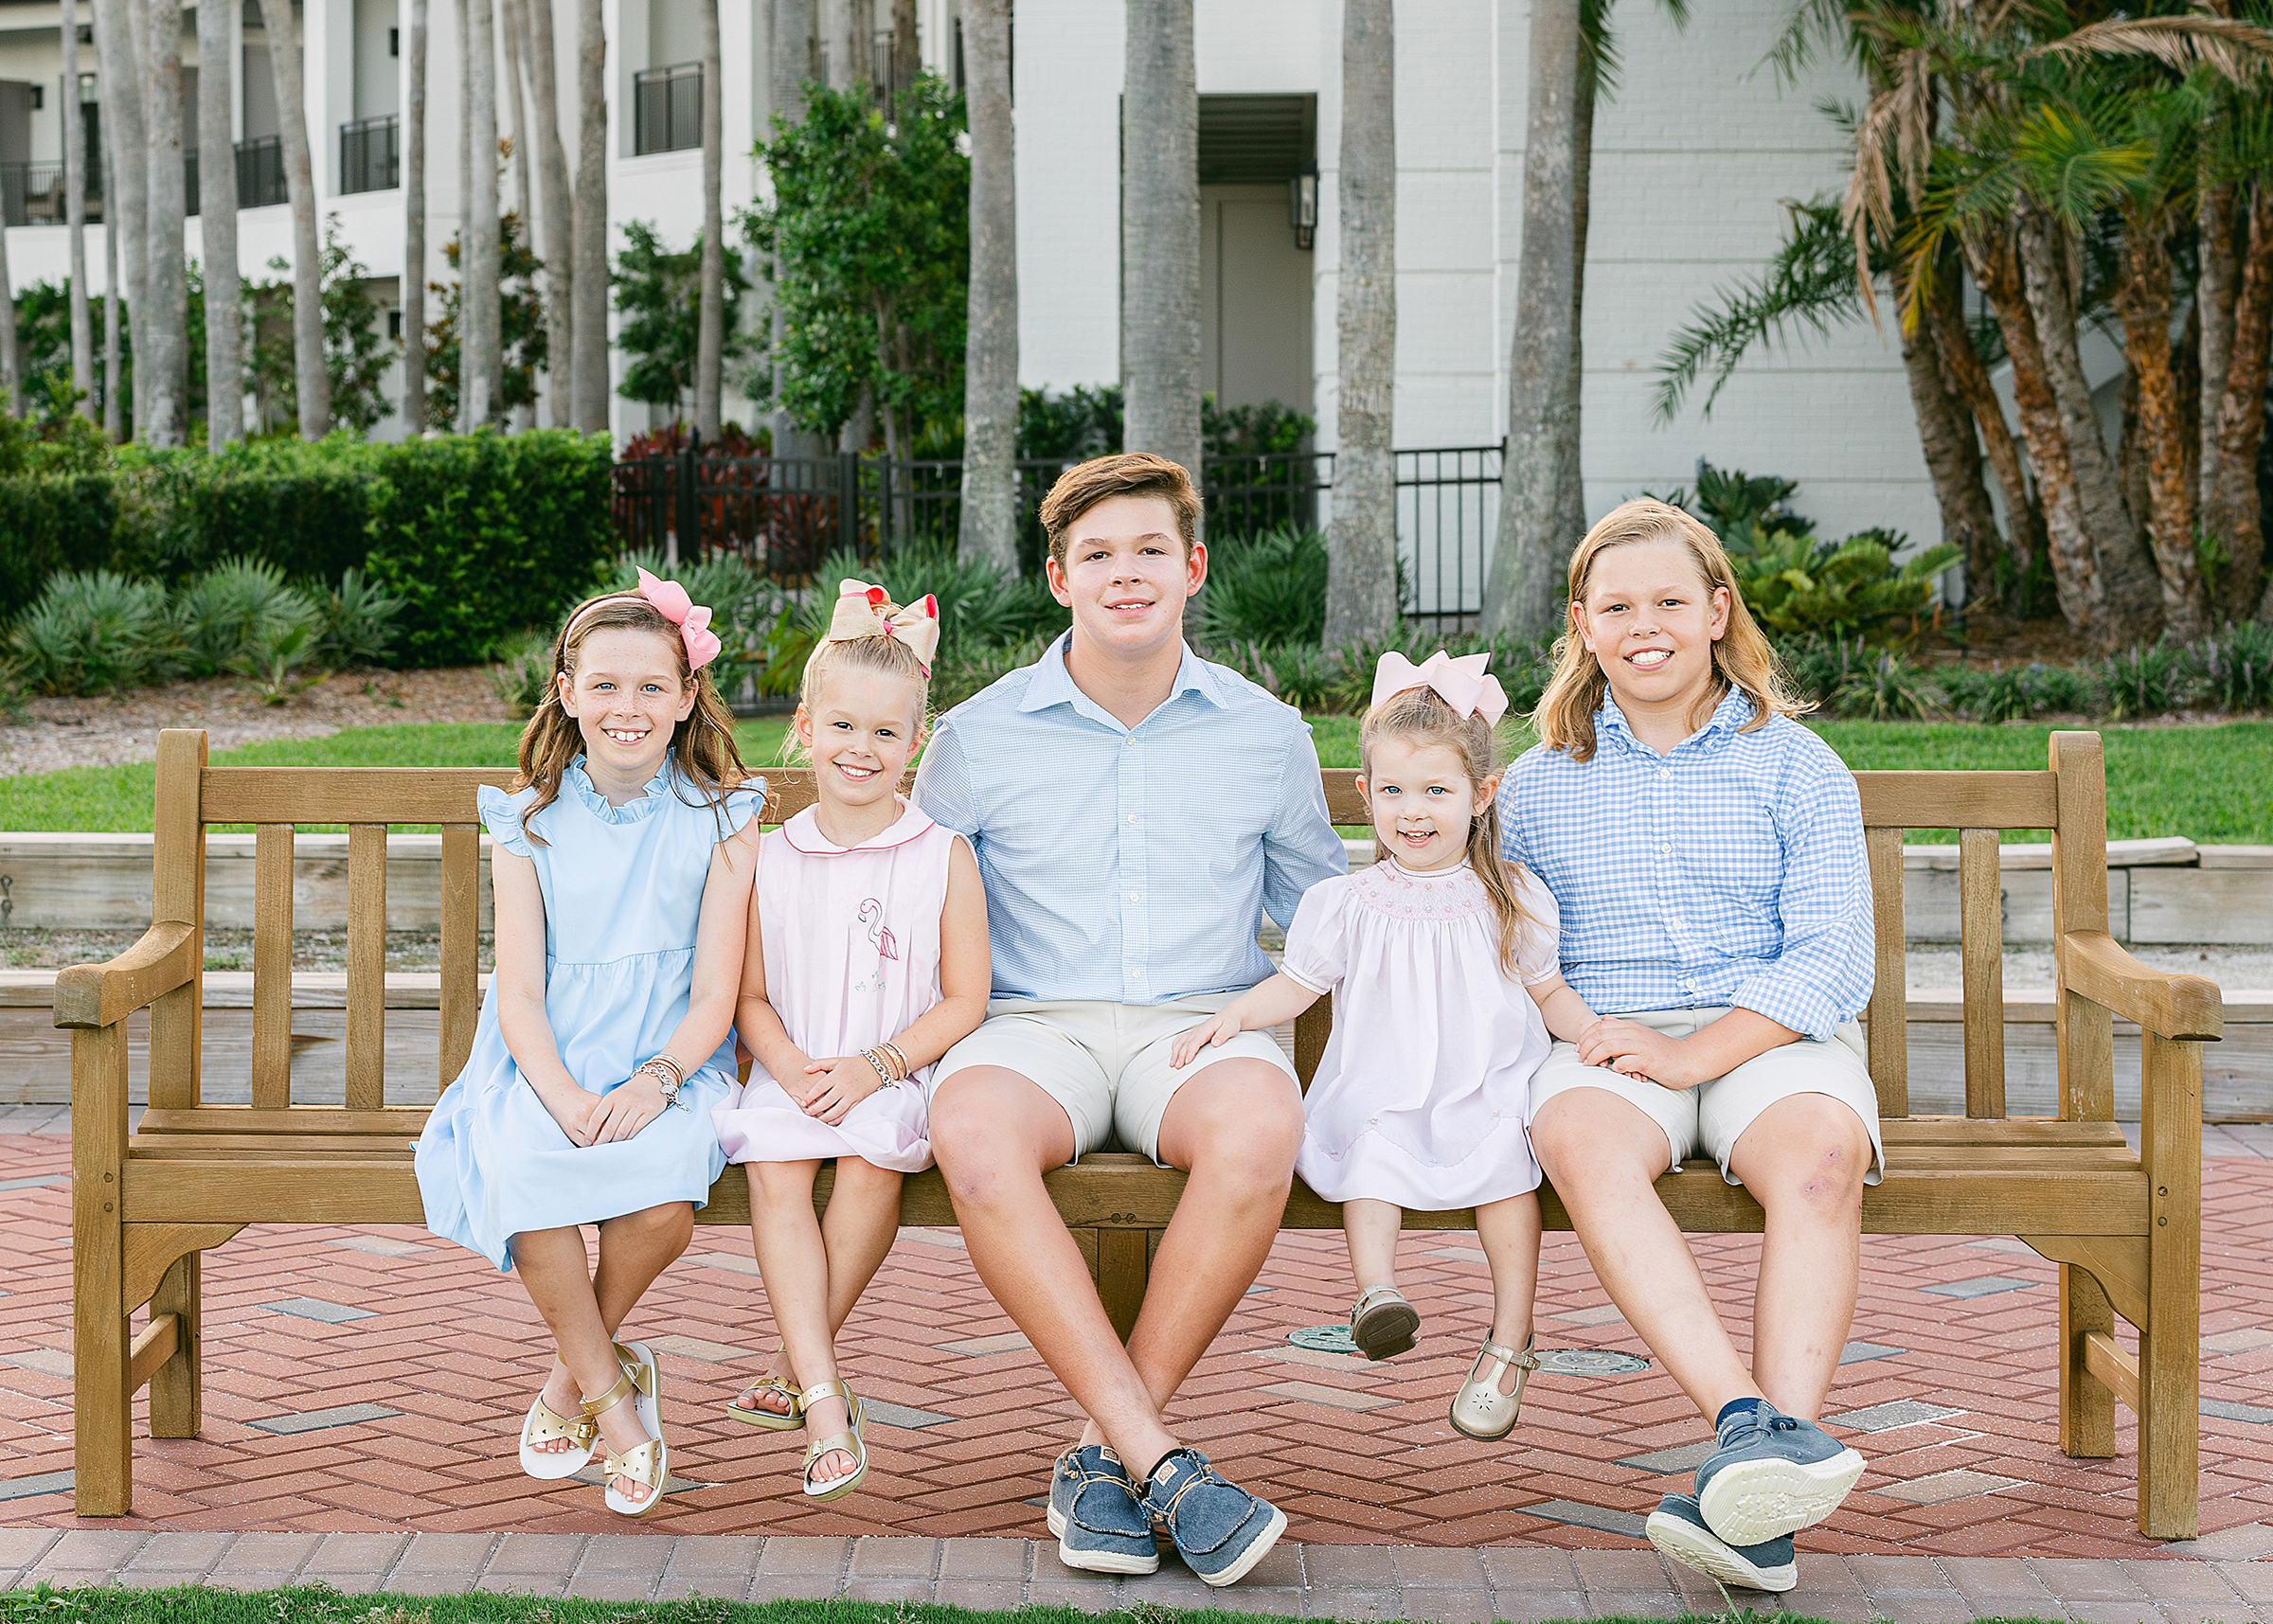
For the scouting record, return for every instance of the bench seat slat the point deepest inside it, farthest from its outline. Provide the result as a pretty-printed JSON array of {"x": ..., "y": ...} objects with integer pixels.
[{"x": 403, "y": 1121}]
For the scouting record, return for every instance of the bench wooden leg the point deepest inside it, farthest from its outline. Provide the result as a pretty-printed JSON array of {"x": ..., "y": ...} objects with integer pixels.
[
  {"x": 176, "y": 1387},
  {"x": 103, "y": 1446},
  {"x": 2086, "y": 1407},
  {"x": 2170, "y": 1348},
  {"x": 1123, "y": 1261}
]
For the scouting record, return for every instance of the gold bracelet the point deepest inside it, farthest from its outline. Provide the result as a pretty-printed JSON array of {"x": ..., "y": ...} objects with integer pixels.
[{"x": 899, "y": 1060}]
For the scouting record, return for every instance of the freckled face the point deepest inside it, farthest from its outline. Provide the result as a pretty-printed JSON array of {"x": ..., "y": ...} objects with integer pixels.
[
  {"x": 1651, "y": 619},
  {"x": 862, "y": 728},
  {"x": 627, "y": 697},
  {"x": 1422, "y": 801}
]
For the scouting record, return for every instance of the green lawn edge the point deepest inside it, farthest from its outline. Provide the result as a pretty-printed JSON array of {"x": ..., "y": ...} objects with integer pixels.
[
  {"x": 193, "y": 1604},
  {"x": 2211, "y": 783}
]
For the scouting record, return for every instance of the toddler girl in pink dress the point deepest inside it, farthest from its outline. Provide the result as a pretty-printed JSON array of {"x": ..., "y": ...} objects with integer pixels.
[
  {"x": 1443, "y": 962},
  {"x": 867, "y": 961}
]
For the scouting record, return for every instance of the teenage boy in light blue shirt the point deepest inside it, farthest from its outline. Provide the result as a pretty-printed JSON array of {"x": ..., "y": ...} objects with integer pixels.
[{"x": 1135, "y": 811}]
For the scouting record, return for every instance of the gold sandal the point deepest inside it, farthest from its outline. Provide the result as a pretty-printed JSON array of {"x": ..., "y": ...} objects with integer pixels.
[
  {"x": 648, "y": 1465},
  {"x": 542, "y": 1425},
  {"x": 850, "y": 1441},
  {"x": 772, "y": 1420}
]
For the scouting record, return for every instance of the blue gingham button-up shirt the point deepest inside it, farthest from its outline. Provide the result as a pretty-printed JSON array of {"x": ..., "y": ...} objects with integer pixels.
[
  {"x": 1729, "y": 871},
  {"x": 1130, "y": 865}
]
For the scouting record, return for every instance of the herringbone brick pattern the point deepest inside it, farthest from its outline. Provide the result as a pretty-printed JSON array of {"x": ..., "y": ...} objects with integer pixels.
[{"x": 444, "y": 1353}]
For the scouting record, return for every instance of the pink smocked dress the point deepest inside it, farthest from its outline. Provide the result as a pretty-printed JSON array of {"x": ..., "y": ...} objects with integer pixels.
[
  {"x": 851, "y": 940},
  {"x": 1419, "y": 1098}
]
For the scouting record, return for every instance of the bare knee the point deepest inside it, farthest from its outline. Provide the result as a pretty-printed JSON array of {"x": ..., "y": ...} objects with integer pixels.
[
  {"x": 983, "y": 1137},
  {"x": 1589, "y": 1141},
  {"x": 668, "y": 1224},
  {"x": 779, "y": 1187},
  {"x": 1812, "y": 1159},
  {"x": 1247, "y": 1129}
]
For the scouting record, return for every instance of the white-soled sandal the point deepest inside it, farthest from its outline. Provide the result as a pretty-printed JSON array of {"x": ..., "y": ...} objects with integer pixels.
[
  {"x": 850, "y": 1441},
  {"x": 648, "y": 1464},
  {"x": 1479, "y": 1409},
  {"x": 542, "y": 1425}
]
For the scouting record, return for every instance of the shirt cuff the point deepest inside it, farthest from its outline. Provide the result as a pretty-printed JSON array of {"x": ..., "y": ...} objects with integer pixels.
[{"x": 1805, "y": 1012}]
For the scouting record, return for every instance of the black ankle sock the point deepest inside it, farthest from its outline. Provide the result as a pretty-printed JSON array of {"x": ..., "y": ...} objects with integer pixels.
[{"x": 1733, "y": 1405}]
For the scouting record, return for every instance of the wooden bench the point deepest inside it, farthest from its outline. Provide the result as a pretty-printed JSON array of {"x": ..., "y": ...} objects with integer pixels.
[{"x": 2125, "y": 1228}]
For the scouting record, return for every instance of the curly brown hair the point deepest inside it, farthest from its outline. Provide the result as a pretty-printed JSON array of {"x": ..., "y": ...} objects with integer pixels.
[{"x": 704, "y": 752}]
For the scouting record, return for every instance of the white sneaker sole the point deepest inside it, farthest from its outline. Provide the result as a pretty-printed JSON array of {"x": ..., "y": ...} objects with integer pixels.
[
  {"x": 1097, "y": 1562},
  {"x": 1253, "y": 1554},
  {"x": 1756, "y": 1500},
  {"x": 1692, "y": 1548}
]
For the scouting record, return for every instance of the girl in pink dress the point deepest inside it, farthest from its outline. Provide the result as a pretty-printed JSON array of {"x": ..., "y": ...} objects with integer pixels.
[
  {"x": 1443, "y": 960},
  {"x": 867, "y": 961}
]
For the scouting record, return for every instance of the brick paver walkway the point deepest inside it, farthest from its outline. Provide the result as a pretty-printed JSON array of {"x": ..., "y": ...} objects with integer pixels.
[
  {"x": 1312, "y": 1582},
  {"x": 371, "y": 1382}
]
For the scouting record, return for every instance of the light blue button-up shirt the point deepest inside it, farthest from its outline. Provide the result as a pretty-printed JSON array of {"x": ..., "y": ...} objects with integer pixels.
[
  {"x": 1729, "y": 871},
  {"x": 1130, "y": 865}
]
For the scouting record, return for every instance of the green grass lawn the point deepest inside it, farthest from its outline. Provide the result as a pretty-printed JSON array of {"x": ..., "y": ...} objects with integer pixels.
[{"x": 2215, "y": 783}]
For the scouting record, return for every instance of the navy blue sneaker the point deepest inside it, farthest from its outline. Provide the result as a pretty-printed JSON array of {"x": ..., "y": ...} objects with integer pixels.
[
  {"x": 1220, "y": 1530},
  {"x": 1772, "y": 1474},
  {"x": 1093, "y": 1511},
  {"x": 1677, "y": 1529}
]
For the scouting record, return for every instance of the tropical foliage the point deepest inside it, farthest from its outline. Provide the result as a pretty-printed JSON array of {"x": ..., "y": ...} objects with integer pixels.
[
  {"x": 526, "y": 342},
  {"x": 659, "y": 296}
]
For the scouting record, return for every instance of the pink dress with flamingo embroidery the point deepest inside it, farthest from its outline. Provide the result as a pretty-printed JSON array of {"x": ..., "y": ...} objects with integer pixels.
[{"x": 852, "y": 943}]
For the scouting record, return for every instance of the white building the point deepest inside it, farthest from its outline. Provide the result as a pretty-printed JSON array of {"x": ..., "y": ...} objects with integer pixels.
[{"x": 1692, "y": 155}]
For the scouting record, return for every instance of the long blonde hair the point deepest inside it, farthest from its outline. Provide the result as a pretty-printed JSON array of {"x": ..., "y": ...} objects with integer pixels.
[
  {"x": 1420, "y": 717},
  {"x": 1742, "y": 657},
  {"x": 705, "y": 753}
]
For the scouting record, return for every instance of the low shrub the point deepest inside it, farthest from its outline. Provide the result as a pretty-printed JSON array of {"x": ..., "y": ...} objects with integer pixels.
[
  {"x": 51, "y": 522},
  {"x": 234, "y": 609},
  {"x": 358, "y": 622},
  {"x": 2149, "y": 680},
  {"x": 304, "y": 508},
  {"x": 92, "y": 631},
  {"x": 2234, "y": 669},
  {"x": 1848, "y": 678},
  {"x": 1268, "y": 588},
  {"x": 1795, "y": 584},
  {"x": 524, "y": 672}
]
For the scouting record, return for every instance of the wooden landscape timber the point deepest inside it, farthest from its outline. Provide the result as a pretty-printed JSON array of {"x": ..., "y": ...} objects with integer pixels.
[{"x": 2125, "y": 1226}]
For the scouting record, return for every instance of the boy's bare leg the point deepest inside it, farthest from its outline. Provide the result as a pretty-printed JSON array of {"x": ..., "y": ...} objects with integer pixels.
[
  {"x": 1803, "y": 1159},
  {"x": 995, "y": 1134},
  {"x": 1370, "y": 1228},
  {"x": 1509, "y": 1233},
  {"x": 1604, "y": 1157}
]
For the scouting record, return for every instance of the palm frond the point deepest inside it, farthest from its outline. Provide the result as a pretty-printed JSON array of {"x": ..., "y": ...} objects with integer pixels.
[{"x": 2228, "y": 45}]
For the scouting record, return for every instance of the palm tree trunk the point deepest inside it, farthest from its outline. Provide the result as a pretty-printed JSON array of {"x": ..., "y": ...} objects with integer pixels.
[
  {"x": 512, "y": 31},
  {"x": 311, "y": 379},
  {"x": 553, "y": 208},
  {"x": 2232, "y": 511},
  {"x": 841, "y": 42},
  {"x": 710, "y": 326},
  {"x": 217, "y": 227},
  {"x": 126, "y": 177},
  {"x": 2122, "y": 603},
  {"x": 1953, "y": 455},
  {"x": 1161, "y": 235},
  {"x": 1969, "y": 378},
  {"x": 795, "y": 48},
  {"x": 907, "y": 56},
  {"x": 165, "y": 336},
  {"x": 588, "y": 371},
  {"x": 2217, "y": 283},
  {"x": 2143, "y": 301},
  {"x": 988, "y": 527},
  {"x": 113, "y": 301},
  {"x": 1361, "y": 572},
  {"x": 482, "y": 369},
  {"x": 414, "y": 231},
  {"x": 11, "y": 386},
  {"x": 1541, "y": 486},
  {"x": 75, "y": 215}
]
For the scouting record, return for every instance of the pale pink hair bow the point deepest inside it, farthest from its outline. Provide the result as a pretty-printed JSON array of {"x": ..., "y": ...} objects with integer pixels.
[
  {"x": 669, "y": 601},
  {"x": 1463, "y": 684},
  {"x": 865, "y": 611}
]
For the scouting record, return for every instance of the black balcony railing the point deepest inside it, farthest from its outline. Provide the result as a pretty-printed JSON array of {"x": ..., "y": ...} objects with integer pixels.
[
  {"x": 784, "y": 515},
  {"x": 259, "y": 175},
  {"x": 32, "y": 194},
  {"x": 370, "y": 155},
  {"x": 667, "y": 108}
]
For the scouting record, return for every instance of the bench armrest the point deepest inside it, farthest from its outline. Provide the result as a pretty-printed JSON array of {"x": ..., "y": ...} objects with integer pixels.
[
  {"x": 95, "y": 995},
  {"x": 2093, "y": 965}
]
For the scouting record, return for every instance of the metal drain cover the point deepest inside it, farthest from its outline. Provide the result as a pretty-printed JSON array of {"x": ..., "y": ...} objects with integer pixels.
[
  {"x": 1323, "y": 1339},
  {"x": 1590, "y": 1362}
]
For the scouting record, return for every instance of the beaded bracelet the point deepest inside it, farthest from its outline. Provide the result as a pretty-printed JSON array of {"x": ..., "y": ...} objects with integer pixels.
[
  {"x": 884, "y": 1071},
  {"x": 899, "y": 1060}
]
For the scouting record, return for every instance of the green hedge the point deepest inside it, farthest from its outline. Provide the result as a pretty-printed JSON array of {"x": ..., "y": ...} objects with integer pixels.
[{"x": 485, "y": 535}]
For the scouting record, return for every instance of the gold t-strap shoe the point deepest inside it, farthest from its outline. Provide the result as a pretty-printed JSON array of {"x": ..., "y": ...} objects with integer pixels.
[
  {"x": 848, "y": 1441},
  {"x": 648, "y": 1465}
]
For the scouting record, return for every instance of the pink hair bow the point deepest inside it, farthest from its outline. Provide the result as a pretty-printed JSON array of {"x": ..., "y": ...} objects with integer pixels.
[
  {"x": 692, "y": 619},
  {"x": 865, "y": 611},
  {"x": 1463, "y": 684}
]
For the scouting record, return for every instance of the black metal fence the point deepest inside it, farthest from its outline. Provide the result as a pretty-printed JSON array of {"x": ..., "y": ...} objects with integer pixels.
[
  {"x": 259, "y": 175},
  {"x": 667, "y": 108},
  {"x": 32, "y": 194},
  {"x": 786, "y": 514},
  {"x": 370, "y": 157}
]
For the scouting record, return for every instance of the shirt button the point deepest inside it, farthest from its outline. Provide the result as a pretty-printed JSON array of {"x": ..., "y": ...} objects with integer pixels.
[
  {"x": 1132, "y": 817},
  {"x": 1133, "y": 896},
  {"x": 1667, "y": 848}
]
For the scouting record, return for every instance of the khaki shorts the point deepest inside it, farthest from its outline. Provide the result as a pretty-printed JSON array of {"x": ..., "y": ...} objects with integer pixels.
[
  {"x": 1709, "y": 1119},
  {"x": 1106, "y": 1064}
]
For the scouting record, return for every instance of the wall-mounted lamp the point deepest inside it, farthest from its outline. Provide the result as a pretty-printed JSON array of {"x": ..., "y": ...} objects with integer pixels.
[{"x": 1302, "y": 206}]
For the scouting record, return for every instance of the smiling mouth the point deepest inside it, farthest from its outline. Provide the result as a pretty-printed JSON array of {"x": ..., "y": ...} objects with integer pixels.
[
  {"x": 858, "y": 775},
  {"x": 1649, "y": 659},
  {"x": 1130, "y": 603},
  {"x": 624, "y": 735}
]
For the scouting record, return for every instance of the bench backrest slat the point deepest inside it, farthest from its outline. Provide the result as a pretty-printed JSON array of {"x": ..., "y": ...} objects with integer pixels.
[
  {"x": 1890, "y": 1029},
  {"x": 366, "y": 966},
  {"x": 461, "y": 907},
  {"x": 271, "y": 966},
  {"x": 1981, "y": 956},
  {"x": 177, "y": 893},
  {"x": 2085, "y": 1031}
]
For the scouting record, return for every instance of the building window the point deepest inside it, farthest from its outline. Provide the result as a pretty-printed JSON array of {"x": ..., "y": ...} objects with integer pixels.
[
  {"x": 370, "y": 155},
  {"x": 666, "y": 104}
]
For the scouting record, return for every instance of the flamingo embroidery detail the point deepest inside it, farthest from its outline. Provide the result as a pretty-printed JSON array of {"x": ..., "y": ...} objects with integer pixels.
[{"x": 880, "y": 933}]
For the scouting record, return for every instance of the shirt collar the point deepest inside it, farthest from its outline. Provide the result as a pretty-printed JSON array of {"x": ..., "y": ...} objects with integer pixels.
[
  {"x": 1052, "y": 684},
  {"x": 1734, "y": 710},
  {"x": 803, "y": 833}
]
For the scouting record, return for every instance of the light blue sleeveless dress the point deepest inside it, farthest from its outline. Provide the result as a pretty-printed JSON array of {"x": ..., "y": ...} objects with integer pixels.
[{"x": 623, "y": 894}]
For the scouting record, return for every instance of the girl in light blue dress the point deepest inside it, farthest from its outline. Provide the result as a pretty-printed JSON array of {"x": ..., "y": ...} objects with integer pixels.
[{"x": 621, "y": 867}]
